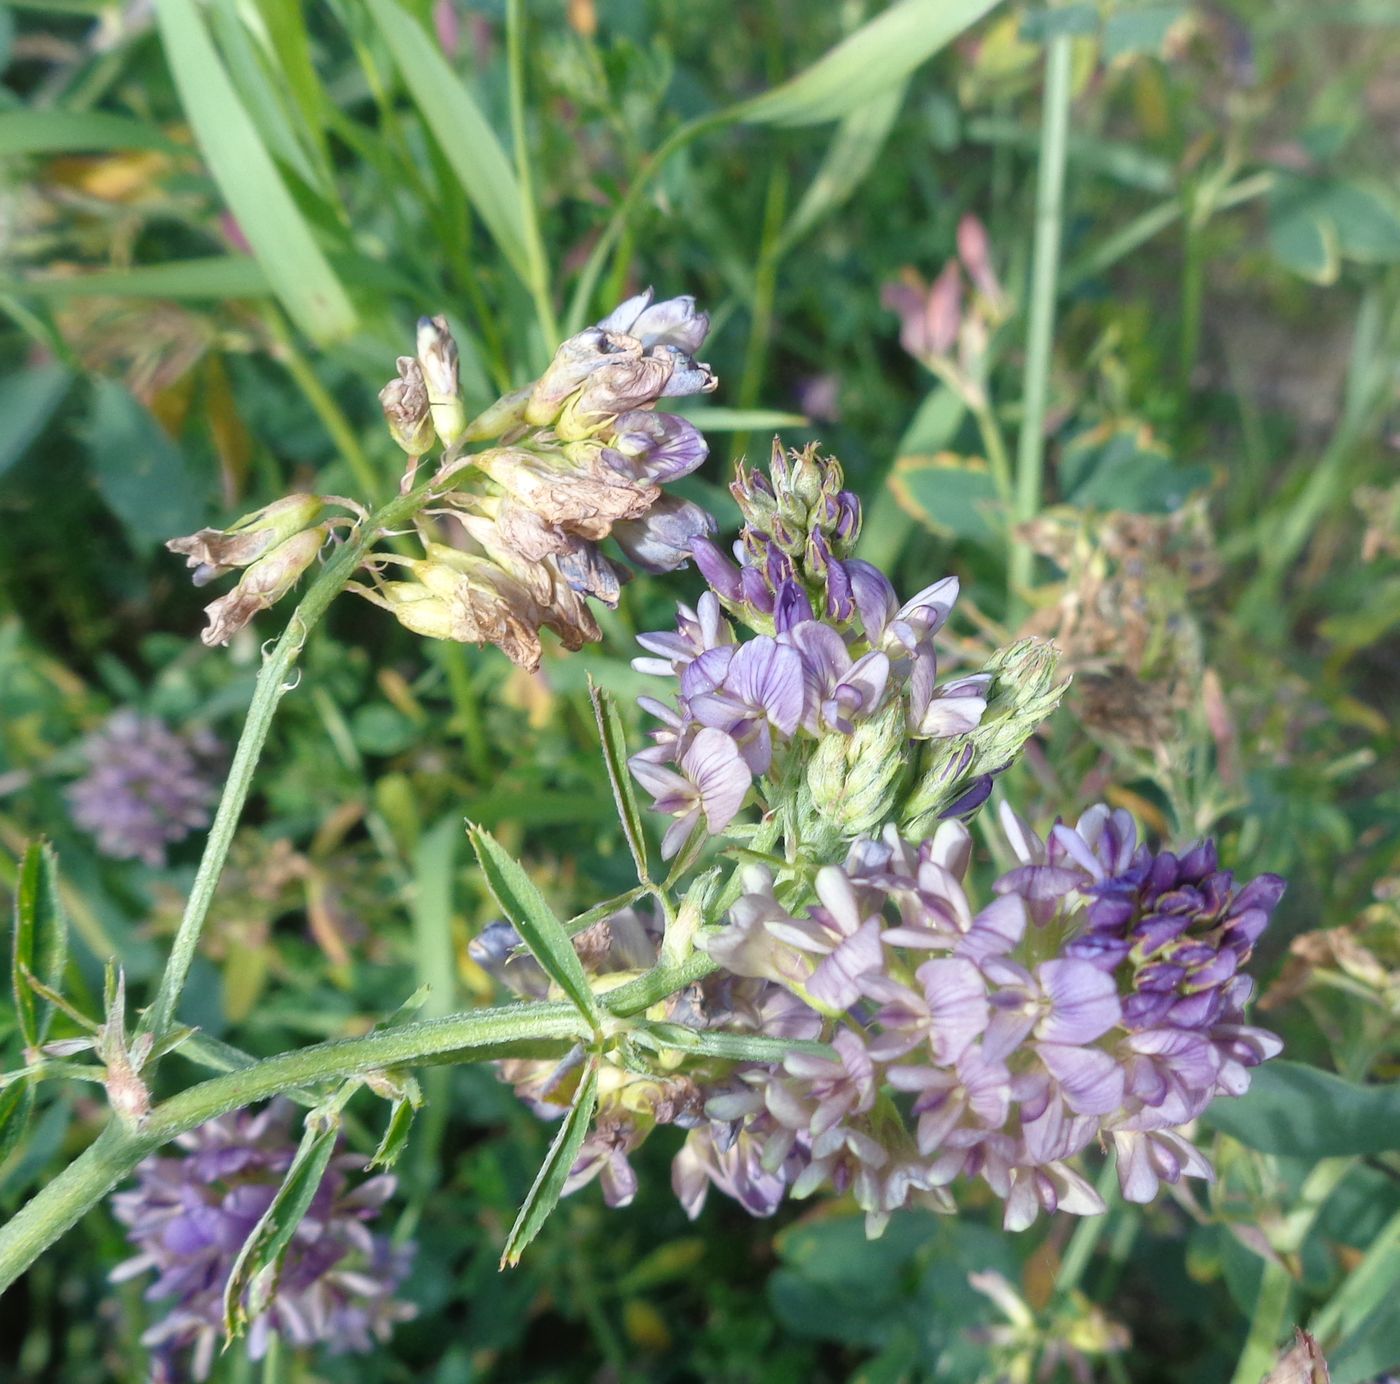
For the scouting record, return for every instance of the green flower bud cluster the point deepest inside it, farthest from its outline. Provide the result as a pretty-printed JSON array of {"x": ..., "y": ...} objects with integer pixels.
[
  {"x": 853, "y": 781},
  {"x": 1022, "y": 694}
]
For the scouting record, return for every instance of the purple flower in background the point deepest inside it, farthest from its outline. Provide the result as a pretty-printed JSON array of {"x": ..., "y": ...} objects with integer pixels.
[
  {"x": 188, "y": 1217},
  {"x": 146, "y": 786}
]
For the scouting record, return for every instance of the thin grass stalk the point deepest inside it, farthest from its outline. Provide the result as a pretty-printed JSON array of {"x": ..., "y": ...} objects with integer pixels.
[{"x": 1040, "y": 329}]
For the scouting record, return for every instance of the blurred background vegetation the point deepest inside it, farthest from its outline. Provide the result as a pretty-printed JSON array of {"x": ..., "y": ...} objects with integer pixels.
[{"x": 219, "y": 223}]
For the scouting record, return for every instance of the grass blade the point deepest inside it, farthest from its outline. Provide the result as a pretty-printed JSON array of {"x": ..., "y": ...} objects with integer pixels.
[
  {"x": 282, "y": 241},
  {"x": 544, "y": 1193},
  {"x": 40, "y": 939},
  {"x": 535, "y": 921},
  {"x": 864, "y": 66},
  {"x": 856, "y": 145},
  {"x": 460, "y": 128},
  {"x": 78, "y": 132},
  {"x": 614, "y": 742}
]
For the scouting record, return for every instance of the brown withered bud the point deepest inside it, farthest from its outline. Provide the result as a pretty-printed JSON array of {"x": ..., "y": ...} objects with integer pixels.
[
  {"x": 565, "y": 495},
  {"x": 405, "y": 403},
  {"x": 263, "y": 584},
  {"x": 437, "y": 357},
  {"x": 212, "y": 552},
  {"x": 579, "y": 357}
]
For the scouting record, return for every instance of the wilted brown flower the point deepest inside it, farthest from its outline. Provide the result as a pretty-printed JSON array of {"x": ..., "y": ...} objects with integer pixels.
[
  {"x": 1122, "y": 615},
  {"x": 405, "y": 403}
]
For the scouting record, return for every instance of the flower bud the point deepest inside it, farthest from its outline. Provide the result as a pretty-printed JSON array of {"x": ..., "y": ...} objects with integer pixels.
[
  {"x": 504, "y": 416},
  {"x": 263, "y": 584},
  {"x": 212, "y": 552},
  {"x": 956, "y": 773},
  {"x": 854, "y": 779},
  {"x": 437, "y": 357},
  {"x": 405, "y": 403}
]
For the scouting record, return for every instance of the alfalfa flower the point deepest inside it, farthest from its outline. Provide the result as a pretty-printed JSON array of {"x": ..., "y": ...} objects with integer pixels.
[
  {"x": 190, "y": 1214},
  {"x": 146, "y": 786}
]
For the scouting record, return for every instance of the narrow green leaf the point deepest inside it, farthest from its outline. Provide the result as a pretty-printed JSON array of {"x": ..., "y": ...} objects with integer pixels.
[
  {"x": 534, "y": 920},
  {"x": 856, "y": 145},
  {"x": 433, "y": 863},
  {"x": 864, "y": 66},
  {"x": 737, "y": 419},
  {"x": 737, "y": 1047},
  {"x": 265, "y": 101},
  {"x": 544, "y": 1194},
  {"x": 16, "y": 1112},
  {"x": 288, "y": 38},
  {"x": 40, "y": 940},
  {"x": 255, "y": 1271},
  {"x": 72, "y": 132},
  {"x": 142, "y": 475},
  {"x": 460, "y": 128},
  {"x": 217, "y": 276},
  {"x": 27, "y": 402},
  {"x": 581, "y": 922},
  {"x": 282, "y": 241},
  {"x": 1303, "y": 1112},
  {"x": 614, "y": 742},
  {"x": 396, "y": 1132}
]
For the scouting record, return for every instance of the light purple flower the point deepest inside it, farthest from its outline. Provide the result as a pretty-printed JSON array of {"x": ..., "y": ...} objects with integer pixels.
[
  {"x": 189, "y": 1216},
  {"x": 146, "y": 787},
  {"x": 712, "y": 783},
  {"x": 662, "y": 539}
]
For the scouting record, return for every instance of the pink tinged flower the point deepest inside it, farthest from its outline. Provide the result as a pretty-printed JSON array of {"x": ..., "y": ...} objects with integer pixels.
[
  {"x": 995, "y": 931},
  {"x": 956, "y": 994},
  {"x": 697, "y": 630},
  {"x": 712, "y": 783},
  {"x": 748, "y": 946},
  {"x": 943, "y": 311},
  {"x": 1146, "y": 1160},
  {"x": 672, "y": 322},
  {"x": 975, "y": 1094},
  {"x": 974, "y": 249},
  {"x": 736, "y": 1170},
  {"x": 1089, "y": 1079},
  {"x": 874, "y": 597}
]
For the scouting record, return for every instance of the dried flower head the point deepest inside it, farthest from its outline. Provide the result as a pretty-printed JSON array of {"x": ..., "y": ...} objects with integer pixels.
[{"x": 583, "y": 457}]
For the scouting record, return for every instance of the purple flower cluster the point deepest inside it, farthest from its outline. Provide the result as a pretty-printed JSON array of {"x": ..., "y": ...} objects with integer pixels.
[
  {"x": 189, "y": 1216},
  {"x": 833, "y": 649},
  {"x": 1097, "y": 997},
  {"x": 146, "y": 786}
]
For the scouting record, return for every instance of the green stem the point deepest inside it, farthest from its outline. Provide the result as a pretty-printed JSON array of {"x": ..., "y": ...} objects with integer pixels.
[
  {"x": 536, "y": 263},
  {"x": 517, "y": 1029},
  {"x": 1088, "y": 1233},
  {"x": 592, "y": 270},
  {"x": 271, "y": 687},
  {"x": 1045, "y": 266},
  {"x": 1193, "y": 283},
  {"x": 1265, "y": 1326},
  {"x": 1152, "y": 223},
  {"x": 995, "y": 446}
]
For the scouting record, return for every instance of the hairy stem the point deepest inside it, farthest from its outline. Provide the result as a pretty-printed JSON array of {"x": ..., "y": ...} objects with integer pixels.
[
  {"x": 271, "y": 687},
  {"x": 479, "y": 1035}
]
